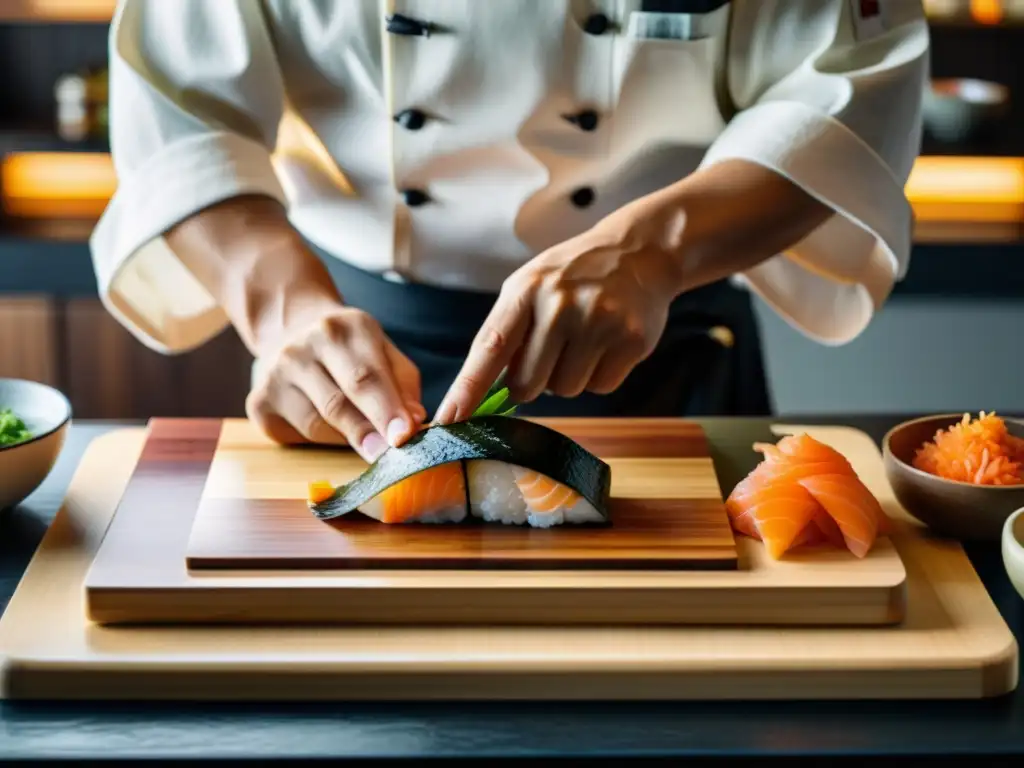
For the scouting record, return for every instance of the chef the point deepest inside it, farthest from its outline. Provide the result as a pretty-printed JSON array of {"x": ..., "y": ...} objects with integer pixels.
[{"x": 396, "y": 202}]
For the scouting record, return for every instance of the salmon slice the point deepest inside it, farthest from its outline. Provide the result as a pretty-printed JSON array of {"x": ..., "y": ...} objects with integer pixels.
[
  {"x": 544, "y": 495},
  {"x": 828, "y": 530},
  {"x": 851, "y": 505},
  {"x": 771, "y": 451},
  {"x": 319, "y": 491},
  {"x": 805, "y": 493},
  {"x": 437, "y": 495},
  {"x": 821, "y": 530},
  {"x": 778, "y": 513},
  {"x": 807, "y": 449},
  {"x": 790, "y": 471},
  {"x": 738, "y": 503}
]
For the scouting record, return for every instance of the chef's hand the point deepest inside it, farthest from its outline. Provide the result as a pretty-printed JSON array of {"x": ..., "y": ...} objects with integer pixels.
[
  {"x": 336, "y": 378},
  {"x": 581, "y": 315},
  {"x": 329, "y": 373},
  {"x": 578, "y": 317}
]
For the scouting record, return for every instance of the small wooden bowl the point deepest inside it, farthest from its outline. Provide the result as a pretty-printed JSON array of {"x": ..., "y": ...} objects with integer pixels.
[
  {"x": 951, "y": 508},
  {"x": 1013, "y": 549}
]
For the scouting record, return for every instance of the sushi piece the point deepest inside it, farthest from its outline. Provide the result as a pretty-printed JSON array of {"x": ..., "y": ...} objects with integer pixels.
[
  {"x": 805, "y": 493},
  {"x": 490, "y": 468}
]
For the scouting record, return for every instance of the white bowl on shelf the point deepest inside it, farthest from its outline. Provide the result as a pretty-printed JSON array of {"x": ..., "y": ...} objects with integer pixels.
[{"x": 955, "y": 110}]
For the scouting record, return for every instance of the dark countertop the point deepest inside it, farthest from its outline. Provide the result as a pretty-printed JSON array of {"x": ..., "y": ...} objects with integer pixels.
[{"x": 990, "y": 730}]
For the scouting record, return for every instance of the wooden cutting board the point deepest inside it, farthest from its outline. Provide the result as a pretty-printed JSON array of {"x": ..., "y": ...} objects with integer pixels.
[
  {"x": 953, "y": 642},
  {"x": 140, "y": 574},
  {"x": 666, "y": 508}
]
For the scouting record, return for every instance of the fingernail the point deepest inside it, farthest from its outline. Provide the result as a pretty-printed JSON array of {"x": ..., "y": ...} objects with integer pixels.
[
  {"x": 445, "y": 414},
  {"x": 397, "y": 428},
  {"x": 373, "y": 446}
]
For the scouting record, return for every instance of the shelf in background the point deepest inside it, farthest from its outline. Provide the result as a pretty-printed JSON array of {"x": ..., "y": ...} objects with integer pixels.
[
  {"x": 956, "y": 200},
  {"x": 88, "y": 11},
  {"x": 43, "y": 138},
  {"x": 56, "y": 230},
  {"x": 56, "y": 185},
  {"x": 974, "y": 13}
]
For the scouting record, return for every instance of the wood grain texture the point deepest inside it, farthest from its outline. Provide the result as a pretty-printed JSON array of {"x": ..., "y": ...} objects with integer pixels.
[
  {"x": 28, "y": 339},
  {"x": 653, "y": 438},
  {"x": 113, "y": 376},
  {"x": 952, "y": 644},
  {"x": 150, "y": 583},
  {"x": 646, "y": 534},
  {"x": 254, "y": 515}
]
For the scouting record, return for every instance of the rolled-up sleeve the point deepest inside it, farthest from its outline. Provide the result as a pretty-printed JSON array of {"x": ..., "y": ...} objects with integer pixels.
[
  {"x": 196, "y": 98},
  {"x": 831, "y": 102}
]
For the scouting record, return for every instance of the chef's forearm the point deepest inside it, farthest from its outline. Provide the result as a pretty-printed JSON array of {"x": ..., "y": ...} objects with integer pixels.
[
  {"x": 725, "y": 219},
  {"x": 255, "y": 265}
]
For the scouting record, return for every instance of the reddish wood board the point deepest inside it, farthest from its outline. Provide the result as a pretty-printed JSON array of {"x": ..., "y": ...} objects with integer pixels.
[{"x": 673, "y": 525}]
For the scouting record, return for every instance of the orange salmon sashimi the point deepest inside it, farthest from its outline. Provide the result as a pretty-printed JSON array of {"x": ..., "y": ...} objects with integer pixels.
[
  {"x": 778, "y": 513},
  {"x": 851, "y": 505},
  {"x": 805, "y": 493},
  {"x": 436, "y": 495},
  {"x": 805, "y": 448},
  {"x": 542, "y": 494},
  {"x": 821, "y": 530}
]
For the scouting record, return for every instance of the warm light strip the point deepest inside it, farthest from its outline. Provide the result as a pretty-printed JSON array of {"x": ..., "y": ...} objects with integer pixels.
[
  {"x": 988, "y": 12},
  {"x": 940, "y": 188},
  {"x": 56, "y": 184},
  {"x": 57, "y": 10},
  {"x": 967, "y": 189}
]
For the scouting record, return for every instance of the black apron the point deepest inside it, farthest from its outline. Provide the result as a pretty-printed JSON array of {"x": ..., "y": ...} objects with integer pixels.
[{"x": 707, "y": 363}]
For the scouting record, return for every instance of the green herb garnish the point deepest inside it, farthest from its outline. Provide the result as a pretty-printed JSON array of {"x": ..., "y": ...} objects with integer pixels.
[
  {"x": 12, "y": 429},
  {"x": 494, "y": 401}
]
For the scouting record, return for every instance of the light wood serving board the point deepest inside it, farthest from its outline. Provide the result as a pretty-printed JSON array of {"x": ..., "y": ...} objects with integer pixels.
[
  {"x": 140, "y": 575},
  {"x": 953, "y": 643}
]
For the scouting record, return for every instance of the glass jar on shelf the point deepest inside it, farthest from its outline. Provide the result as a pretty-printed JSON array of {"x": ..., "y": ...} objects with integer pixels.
[{"x": 82, "y": 100}]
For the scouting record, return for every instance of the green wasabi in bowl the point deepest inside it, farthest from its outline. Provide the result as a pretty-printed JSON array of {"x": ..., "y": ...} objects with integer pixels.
[{"x": 12, "y": 428}]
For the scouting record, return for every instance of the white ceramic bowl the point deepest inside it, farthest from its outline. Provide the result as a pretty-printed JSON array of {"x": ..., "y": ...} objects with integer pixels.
[
  {"x": 958, "y": 109},
  {"x": 47, "y": 414},
  {"x": 1013, "y": 549}
]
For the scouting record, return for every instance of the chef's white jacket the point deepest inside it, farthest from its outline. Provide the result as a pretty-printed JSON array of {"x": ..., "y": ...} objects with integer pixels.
[{"x": 449, "y": 141}]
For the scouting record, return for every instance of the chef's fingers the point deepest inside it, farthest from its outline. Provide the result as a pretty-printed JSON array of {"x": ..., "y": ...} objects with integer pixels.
[
  {"x": 493, "y": 348},
  {"x": 531, "y": 368},
  {"x": 261, "y": 413},
  {"x": 340, "y": 413},
  {"x": 599, "y": 328},
  {"x": 362, "y": 370},
  {"x": 407, "y": 375},
  {"x": 286, "y": 415},
  {"x": 617, "y": 363},
  {"x": 576, "y": 367}
]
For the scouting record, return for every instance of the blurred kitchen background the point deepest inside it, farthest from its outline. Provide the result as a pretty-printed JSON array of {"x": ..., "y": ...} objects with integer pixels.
[{"x": 950, "y": 338}]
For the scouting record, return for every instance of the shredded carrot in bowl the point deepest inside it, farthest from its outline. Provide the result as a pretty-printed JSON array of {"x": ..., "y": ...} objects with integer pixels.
[{"x": 980, "y": 452}]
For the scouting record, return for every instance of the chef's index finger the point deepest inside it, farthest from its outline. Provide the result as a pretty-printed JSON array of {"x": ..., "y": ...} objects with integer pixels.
[{"x": 494, "y": 346}]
